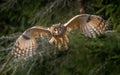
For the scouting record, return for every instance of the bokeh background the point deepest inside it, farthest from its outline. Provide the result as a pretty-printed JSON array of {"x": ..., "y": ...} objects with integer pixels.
[{"x": 85, "y": 56}]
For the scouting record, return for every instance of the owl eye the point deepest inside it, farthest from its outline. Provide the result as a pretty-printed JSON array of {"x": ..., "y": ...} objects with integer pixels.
[{"x": 55, "y": 29}]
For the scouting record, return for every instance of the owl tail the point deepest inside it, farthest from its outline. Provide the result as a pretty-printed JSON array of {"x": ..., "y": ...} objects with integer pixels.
[{"x": 6, "y": 63}]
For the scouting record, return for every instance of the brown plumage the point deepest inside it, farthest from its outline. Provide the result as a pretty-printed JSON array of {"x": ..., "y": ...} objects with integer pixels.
[{"x": 89, "y": 25}]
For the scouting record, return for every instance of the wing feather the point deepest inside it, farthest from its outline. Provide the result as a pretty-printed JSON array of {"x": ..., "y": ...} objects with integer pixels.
[
  {"x": 89, "y": 25},
  {"x": 88, "y": 30},
  {"x": 84, "y": 30},
  {"x": 26, "y": 44}
]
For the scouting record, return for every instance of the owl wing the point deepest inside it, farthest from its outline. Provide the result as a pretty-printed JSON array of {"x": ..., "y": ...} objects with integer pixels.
[
  {"x": 26, "y": 44},
  {"x": 89, "y": 25}
]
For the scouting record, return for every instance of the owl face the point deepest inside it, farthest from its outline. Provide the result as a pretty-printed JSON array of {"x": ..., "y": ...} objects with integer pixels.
[{"x": 57, "y": 29}]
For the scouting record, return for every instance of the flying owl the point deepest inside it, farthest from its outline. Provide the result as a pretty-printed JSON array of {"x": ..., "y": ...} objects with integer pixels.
[
  {"x": 26, "y": 44},
  {"x": 89, "y": 25}
]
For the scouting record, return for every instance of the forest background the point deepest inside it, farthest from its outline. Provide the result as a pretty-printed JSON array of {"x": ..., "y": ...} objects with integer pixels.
[{"x": 86, "y": 56}]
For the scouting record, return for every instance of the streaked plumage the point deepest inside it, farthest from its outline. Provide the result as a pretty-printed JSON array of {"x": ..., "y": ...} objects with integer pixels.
[
  {"x": 25, "y": 45},
  {"x": 89, "y": 25}
]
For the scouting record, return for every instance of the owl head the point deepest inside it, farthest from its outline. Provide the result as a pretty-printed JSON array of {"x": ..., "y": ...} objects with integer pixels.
[{"x": 57, "y": 29}]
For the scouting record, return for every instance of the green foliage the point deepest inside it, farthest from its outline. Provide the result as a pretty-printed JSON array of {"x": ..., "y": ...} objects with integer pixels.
[
  {"x": 86, "y": 56},
  {"x": 109, "y": 9}
]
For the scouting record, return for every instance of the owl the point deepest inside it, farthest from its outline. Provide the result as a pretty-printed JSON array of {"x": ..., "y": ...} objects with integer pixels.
[
  {"x": 89, "y": 25},
  {"x": 26, "y": 44}
]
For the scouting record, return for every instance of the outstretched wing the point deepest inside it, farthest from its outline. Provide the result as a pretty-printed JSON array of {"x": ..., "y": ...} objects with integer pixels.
[
  {"x": 26, "y": 44},
  {"x": 89, "y": 25}
]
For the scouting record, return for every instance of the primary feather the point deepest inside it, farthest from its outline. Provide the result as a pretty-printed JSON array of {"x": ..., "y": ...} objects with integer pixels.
[
  {"x": 26, "y": 44},
  {"x": 89, "y": 25}
]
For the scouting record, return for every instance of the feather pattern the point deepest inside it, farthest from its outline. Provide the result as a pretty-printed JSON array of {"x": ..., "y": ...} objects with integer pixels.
[
  {"x": 89, "y": 25},
  {"x": 26, "y": 44}
]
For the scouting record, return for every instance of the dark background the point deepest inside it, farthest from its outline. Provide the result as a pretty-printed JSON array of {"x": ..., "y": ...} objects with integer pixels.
[{"x": 86, "y": 56}]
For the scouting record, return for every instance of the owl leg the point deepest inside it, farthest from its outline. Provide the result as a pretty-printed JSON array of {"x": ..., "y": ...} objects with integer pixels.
[
  {"x": 66, "y": 38},
  {"x": 59, "y": 42},
  {"x": 52, "y": 40},
  {"x": 65, "y": 41}
]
